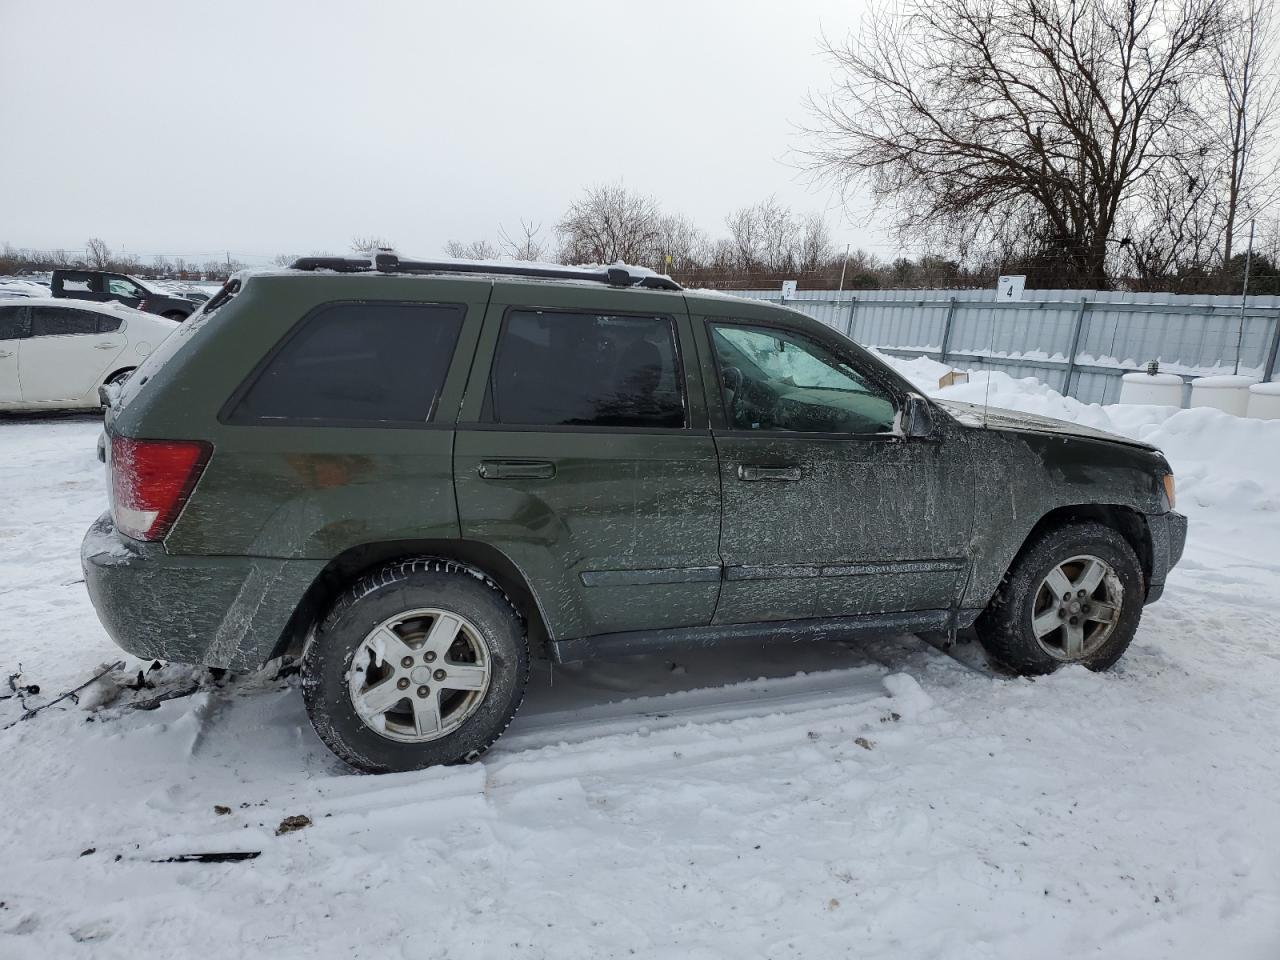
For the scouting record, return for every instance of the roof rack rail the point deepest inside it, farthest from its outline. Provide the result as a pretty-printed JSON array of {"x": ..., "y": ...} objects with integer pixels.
[
  {"x": 340, "y": 264},
  {"x": 617, "y": 276}
]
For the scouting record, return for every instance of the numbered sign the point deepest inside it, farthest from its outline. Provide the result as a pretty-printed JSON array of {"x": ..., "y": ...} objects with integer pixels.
[{"x": 1010, "y": 287}]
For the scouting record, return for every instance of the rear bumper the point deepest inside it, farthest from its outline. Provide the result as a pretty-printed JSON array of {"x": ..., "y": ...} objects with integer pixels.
[
  {"x": 1168, "y": 537},
  {"x": 220, "y": 611}
]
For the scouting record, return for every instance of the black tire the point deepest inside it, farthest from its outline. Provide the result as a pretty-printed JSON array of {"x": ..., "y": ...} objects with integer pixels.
[
  {"x": 373, "y": 599},
  {"x": 1005, "y": 626},
  {"x": 119, "y": 375},
  {"x": 175, "y": 315}
]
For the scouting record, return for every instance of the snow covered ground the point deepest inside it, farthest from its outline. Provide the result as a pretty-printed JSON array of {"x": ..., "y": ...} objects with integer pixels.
[{"x": 883, "y": 800}]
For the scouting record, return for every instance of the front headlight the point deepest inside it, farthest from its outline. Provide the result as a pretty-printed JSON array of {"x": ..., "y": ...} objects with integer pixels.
[{"x": 1171, "y": 500}]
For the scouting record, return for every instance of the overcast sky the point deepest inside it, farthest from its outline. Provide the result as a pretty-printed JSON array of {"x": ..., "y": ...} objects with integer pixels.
[{"x": 262, "y": 128}]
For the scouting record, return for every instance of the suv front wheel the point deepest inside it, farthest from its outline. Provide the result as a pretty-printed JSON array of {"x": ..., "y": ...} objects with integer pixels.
[
  {"x": 420, "y": 663},
  {"x": 1073, "y": 596}
]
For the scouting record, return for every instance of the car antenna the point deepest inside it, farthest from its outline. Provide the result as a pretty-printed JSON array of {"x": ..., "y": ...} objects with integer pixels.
[{"x": 991, "y": 349}]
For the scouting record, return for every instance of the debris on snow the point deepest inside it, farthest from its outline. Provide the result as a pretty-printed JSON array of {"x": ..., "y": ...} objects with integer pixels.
[
  {"x": 72, "y": 695},
  {"x": 234, "y": 856},
  {"x": 298, "y": 821}
]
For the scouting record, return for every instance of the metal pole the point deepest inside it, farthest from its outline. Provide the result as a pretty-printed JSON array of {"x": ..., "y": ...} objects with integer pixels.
[
  {"x": 1075, "y": 343},
  {"x": 946, "y": 329},
  {"x": 1244, "y": 295},
  {"x": 848, "y": 324},
  {"x": 843, "y": 263},
  {"x": 1269, "y": 370}
]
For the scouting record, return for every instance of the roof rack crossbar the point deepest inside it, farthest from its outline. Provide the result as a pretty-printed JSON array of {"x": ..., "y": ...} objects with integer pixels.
[{"x": 614, "y": 276}]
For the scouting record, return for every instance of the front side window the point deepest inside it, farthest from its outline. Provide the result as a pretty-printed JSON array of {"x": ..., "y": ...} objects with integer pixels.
[
  {"x": 14, "y": 324},
  {"x": 58, "y": 322},
  {"x": 779, "y": 380},
  {"x": 357, "y": 363},
  {"x": 586, "y": 369},
  {"x": 120, "y": 287}
]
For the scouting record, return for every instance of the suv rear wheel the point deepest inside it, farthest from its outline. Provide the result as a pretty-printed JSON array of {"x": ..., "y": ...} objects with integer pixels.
[
  {"x": 1075, "y": 596},
  {"x": 421, "y": 663}
]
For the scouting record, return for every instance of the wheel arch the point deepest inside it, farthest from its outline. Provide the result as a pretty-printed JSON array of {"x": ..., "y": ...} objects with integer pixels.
[
  {"x": 1126, "y": 521},
  {"x": 476, "y": 556},
  {"x": 119, "y": 371}
]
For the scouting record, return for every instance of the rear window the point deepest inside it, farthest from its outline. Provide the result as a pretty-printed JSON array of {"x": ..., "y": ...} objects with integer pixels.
[
  {"x": 60, "y": 322},
  {"x": 586, "y": 369},
  {"x": 13, "y": 323},
  {"x": 356, "y": 363}
]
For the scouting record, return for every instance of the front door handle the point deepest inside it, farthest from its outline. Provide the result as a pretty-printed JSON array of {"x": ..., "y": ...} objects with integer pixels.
[
  {"x": 516, "y": 470},
  {"x": 6, "y": 353},
  {"x": 753, "y": 471}
]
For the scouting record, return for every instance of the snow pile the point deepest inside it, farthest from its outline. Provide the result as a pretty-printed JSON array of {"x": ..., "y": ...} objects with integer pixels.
[
  {"x": 1219, "y": 460},
  {"x": 924, "y": 372}
]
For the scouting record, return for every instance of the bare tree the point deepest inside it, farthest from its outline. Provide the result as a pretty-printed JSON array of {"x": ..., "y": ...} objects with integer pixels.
[
  {"x": 1002, "y": 120},
  {"x": 764, "y": 236},
  {"x": 681, "y": 246},
  {"x": 814, "y": 249},
  {"x": 527, "y": 245},
  {"x": 1246, "y": 68},
  {"x": 97, "y": 254},
  {"x": 475, "y": 250},
  {"x": 608, "y": 224},
  {"x": 370, "y": 245}
]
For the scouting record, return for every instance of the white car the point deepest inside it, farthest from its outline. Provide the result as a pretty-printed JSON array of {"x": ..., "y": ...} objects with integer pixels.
[
  {"x": 54, "y": 354},
  {"x": 13, "y": 287}
]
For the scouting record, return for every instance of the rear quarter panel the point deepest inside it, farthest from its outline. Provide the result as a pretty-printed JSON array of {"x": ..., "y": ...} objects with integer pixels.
[{"x": 301, "y": 491}]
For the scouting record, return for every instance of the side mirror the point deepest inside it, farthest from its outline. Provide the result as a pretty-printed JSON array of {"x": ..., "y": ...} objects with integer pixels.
[{"x": 917, "y": 416}]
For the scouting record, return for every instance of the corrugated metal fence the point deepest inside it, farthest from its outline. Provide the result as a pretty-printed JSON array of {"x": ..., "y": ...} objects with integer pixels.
[{"x": 1077, "y": 341}]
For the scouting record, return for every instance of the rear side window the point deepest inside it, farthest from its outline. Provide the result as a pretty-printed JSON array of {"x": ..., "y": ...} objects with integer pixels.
[
  {"x": 583, "y": 369},
  {"x": 13, "y": 323},
  {"x": 76, "y": 282},
  {"x": 58, "y": 322},
  {"x": 357, "y": 363},
  {"x": 108, "y": 324}
]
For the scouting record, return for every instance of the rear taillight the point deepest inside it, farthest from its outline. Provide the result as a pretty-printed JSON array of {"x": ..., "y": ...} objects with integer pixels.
[
  {"x": 151, "y": 481},
  {"x": 142, "y": 305}
]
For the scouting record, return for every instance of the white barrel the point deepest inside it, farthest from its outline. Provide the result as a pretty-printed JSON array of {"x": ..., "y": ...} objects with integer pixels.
[
  {"x": 1162, "y": 389},
  {"x": 1264, "y": 401},
  {"x": 1230, "y": 394}
]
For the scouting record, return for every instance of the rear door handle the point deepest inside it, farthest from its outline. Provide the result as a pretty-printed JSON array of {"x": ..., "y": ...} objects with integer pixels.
[
  {"x": 106, "y": 346},
  {"x": 6, "y": 353},
  {"x": 516, "y": 470},
  {"x": 753, "y": 471}
]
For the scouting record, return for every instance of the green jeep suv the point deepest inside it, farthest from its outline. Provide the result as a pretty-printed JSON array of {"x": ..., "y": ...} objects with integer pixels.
[{"x": 418, "y": 475}]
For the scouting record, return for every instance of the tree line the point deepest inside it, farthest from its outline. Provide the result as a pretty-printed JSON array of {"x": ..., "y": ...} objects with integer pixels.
[
  {"x": 98, "y": 256},
  {"x": 763, "y": 242}
]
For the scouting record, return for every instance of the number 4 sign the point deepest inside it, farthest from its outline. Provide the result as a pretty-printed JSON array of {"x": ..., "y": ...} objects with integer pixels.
[{"x": 1010, "y": 287}]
